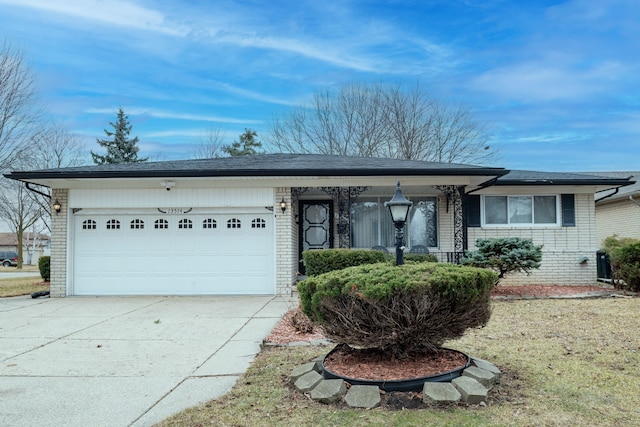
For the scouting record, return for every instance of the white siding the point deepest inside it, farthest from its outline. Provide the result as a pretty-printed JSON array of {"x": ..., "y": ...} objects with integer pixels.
[{"x": 177, "y": 197}]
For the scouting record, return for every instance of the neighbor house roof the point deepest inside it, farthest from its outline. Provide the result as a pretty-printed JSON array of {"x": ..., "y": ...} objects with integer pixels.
[
  {"x": 632, "y": 190},
  {"x": 10, "y": 239},
  {"x": 522, "y": 177}
]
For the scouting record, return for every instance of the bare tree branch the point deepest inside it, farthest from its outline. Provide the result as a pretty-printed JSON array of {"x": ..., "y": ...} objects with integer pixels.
[
  {"x": 376, "y": 120},
  {"x": 210, "y": 145},
  {"x": 17, "y": 111},
  {"x": 18, "y": 210}
]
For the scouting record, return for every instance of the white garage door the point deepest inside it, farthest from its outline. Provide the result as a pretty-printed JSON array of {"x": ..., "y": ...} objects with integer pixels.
[{"x": 173, "y": 253}]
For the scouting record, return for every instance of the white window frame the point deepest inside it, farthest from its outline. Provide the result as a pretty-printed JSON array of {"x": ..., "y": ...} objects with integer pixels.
[{"x": 532, "y": 224}]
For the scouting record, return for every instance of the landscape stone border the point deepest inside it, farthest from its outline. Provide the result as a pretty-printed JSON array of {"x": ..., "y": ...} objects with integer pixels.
[{"x": 472, "y": 387}]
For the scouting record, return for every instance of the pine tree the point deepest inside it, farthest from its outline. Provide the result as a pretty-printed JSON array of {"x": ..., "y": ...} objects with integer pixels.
[
  {"x": 120, "y": 149},
  {"x": 246, "y": 146}
]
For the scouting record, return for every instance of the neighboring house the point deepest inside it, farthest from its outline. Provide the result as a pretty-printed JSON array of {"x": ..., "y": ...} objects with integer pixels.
[
  {"x": 238, "y": 225},
  {"x": 31, "y": 253},
  {"x": 618, "y": 210}
]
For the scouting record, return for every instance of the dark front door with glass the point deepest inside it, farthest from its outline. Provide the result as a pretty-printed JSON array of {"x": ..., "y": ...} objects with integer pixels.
[{"x": 316, "y": 225}]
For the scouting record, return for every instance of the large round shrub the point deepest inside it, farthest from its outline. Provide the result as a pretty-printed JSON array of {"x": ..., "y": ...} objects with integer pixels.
[{"x": 398, "y": 309}]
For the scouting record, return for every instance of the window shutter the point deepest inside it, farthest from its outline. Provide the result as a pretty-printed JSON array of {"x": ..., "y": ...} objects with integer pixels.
[
  {"x": 568, "y": 206},
  {"x": 473, "y": 211}
]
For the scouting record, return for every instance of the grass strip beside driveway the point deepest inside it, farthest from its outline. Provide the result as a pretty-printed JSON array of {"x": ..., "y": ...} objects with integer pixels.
[
  {"x": 564, "y": 362},
  {"x": 22, "y": 286}
]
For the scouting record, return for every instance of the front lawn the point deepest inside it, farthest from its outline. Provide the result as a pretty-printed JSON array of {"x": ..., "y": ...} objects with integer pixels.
[
  {"x": 564, "y": 362},
  {"x": 21, "y": 286}
]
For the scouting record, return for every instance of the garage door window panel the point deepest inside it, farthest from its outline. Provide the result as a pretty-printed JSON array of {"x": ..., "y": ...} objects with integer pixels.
[
  {"x": 209, "y": 224},
  {"x": 258, "y": 223},
  {"x": 185, "y": 223},
  {"x": 113, "y": 224},
  {"x": 137, "y": 224},
  {"x": 89, "y": 224},
  {"x": 161, "y": 224},
  {"x": 234, "y": 223}
]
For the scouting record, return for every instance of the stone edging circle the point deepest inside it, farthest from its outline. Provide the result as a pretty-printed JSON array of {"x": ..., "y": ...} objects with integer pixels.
[{"x": 472, "y": 387}]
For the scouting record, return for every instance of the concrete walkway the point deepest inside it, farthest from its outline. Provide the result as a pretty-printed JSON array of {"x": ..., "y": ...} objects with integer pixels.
[{"x": 124, "y": 361}]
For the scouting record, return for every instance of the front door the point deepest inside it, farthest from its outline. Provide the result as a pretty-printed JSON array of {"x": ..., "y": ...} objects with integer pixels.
[{"x": 316, "y": 226}]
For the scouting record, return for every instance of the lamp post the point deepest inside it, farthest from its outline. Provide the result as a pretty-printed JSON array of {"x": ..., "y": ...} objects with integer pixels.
[{"x": 399, "y": 208}]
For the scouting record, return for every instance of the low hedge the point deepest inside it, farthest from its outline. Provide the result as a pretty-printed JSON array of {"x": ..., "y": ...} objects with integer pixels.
[
  {"x": 398, "y": 309},
  {"x": 323, "y": 261},
  {"x": 420, "y": 257}
]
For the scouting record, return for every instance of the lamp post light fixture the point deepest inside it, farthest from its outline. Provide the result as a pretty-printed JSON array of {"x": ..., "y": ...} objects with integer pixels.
[{"x": 399, "y": 208}]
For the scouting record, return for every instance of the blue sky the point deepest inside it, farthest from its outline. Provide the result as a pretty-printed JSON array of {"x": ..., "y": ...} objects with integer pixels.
[{"x": 557, "y": 82}]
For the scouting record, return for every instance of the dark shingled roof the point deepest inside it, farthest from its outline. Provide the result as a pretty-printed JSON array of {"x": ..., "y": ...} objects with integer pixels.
[
  {"x": 263, "y": 165},
  {"x": 312, "y": 165}
]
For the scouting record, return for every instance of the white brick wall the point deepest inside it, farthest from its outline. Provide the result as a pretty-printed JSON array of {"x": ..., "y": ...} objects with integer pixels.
[
  {"x": 286, "y": 244},
  {"x": 563, "y": 248},
  {"x": 58, "y": 288}
]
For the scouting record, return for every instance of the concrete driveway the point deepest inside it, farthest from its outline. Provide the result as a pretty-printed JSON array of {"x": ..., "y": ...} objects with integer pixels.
[{"x": 124, "y": 361}]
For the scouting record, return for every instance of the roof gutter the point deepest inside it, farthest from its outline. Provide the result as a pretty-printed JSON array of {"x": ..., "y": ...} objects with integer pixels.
[{"x": 634, "y": 201}]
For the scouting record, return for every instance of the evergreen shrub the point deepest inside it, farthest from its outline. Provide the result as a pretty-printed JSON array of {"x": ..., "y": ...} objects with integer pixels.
[
  {"x": 44, "y": 265},
  {"x": 398, "y": 309},
  {"x": 420, "y": 257},
  {"x": 326, "y": 260},
  {"x": 505, "y": 255}
]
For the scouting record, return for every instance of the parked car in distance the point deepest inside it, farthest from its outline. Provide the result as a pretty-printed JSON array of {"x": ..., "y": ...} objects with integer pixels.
[{"x": 9, "y": 259}]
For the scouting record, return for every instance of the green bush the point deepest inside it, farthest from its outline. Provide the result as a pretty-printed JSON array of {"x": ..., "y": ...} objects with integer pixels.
[
  {"x": 326, "y": 260},
  {"x": 420, "y": 258},
  {"x": 612, "y": 243},
  {"x": 44, "y": 264},
  {"x": 625, "y": 263},
  {"x": 505, "y": 255},
  {"x": 398, "y": 309}
]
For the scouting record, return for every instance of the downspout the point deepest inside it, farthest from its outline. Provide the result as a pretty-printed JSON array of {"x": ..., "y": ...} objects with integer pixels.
[
  {"x": 484, "y": 185},
  {"x": 26, "y": 184},
  {"x": 464, "y": 194},
  {"x": 609, "y": 195}
]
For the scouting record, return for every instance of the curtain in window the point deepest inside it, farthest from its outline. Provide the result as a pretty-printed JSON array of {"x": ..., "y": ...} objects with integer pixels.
[
  {"x": 545, "y": 209},
  {"x": 495, "y": 209},
  {"x": 371, "y": 224},
  {"x": 520, "y": 210}
]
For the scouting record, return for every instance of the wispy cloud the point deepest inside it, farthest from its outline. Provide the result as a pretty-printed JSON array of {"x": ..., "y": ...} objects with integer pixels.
[
  {"x": 546, "y": 81},
  {"x": 114, "y": 12},
  {"x": 160, "y": 114}
]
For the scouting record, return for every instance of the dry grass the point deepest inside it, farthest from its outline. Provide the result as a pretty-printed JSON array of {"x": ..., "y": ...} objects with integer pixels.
[
  {"x": 21, "y": 286},
  {"x": 25, "y": 267},
  {"x": 565, "y": 362}
]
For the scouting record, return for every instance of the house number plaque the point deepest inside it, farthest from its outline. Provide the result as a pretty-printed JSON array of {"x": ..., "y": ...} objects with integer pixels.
[{"x": 175, "y": 211}]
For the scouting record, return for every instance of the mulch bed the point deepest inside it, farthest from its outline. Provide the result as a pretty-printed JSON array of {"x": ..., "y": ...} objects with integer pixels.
[{"x": 368, "y": 364}]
